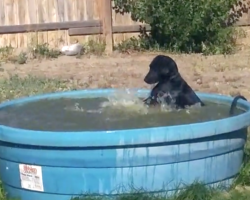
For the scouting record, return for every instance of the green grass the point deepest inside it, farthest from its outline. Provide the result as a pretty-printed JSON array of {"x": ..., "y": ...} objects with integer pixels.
[{"x": 15, "y": 87}]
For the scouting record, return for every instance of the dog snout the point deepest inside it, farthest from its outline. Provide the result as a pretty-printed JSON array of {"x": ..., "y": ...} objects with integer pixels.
[
  {"x": 151, "y": 78},
  {"x": 146, "y": 79}
]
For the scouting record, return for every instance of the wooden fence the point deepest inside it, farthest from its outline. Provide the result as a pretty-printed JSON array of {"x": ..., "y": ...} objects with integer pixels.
[{"x": 57, "y": 22}]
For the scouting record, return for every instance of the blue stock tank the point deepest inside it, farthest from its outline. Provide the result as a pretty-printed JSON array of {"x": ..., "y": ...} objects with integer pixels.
[{"x": 62, "y": 165}]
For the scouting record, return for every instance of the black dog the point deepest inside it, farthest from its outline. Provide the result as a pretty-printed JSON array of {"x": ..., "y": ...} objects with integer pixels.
[
  {"x": 233, "y": 105},
  {"x": 171, "y": 87}
]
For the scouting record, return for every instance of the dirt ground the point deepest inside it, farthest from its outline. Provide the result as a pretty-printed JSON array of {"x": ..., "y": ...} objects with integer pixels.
[{"x": 228, "y": 75}]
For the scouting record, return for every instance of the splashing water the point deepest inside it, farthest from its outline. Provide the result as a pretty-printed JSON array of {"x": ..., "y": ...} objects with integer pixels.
[
  {"x": 127, "y": 102},
  {"x": 167, "y": 103},
  {"x": 126, "y": 99}
]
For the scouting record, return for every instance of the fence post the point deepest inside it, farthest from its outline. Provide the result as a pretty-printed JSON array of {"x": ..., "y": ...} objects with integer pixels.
[{"x": 107, "y": 27}]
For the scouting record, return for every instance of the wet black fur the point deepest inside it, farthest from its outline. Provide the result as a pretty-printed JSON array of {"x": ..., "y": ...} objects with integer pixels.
[{"x": 170, "y": 85}]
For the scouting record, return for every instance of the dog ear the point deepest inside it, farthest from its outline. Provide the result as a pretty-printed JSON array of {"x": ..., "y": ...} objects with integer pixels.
[{"x": 164, "y": 71}]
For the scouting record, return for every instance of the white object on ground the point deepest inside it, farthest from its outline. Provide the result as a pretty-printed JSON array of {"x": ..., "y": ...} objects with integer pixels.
[
  {"x": 64, "y": 49},
  {"x": 72, "y": 50}
]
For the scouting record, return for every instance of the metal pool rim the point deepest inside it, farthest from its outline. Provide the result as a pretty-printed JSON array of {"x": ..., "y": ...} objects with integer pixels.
[{"x": 121, "y": 138}]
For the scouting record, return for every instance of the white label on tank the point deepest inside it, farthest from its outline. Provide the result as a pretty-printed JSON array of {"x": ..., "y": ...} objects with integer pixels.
[{"x": 31, "y": 177}]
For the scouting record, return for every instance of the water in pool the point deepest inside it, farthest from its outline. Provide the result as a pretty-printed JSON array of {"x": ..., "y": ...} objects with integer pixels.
[{"x": 113, "y": 113}]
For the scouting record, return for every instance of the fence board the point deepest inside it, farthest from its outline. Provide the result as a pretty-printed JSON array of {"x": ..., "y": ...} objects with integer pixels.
[{"x": 27, "y": 12}]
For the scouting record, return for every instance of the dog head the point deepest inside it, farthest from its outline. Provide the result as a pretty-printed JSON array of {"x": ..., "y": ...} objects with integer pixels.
[{"x": 162, "y": 68}]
